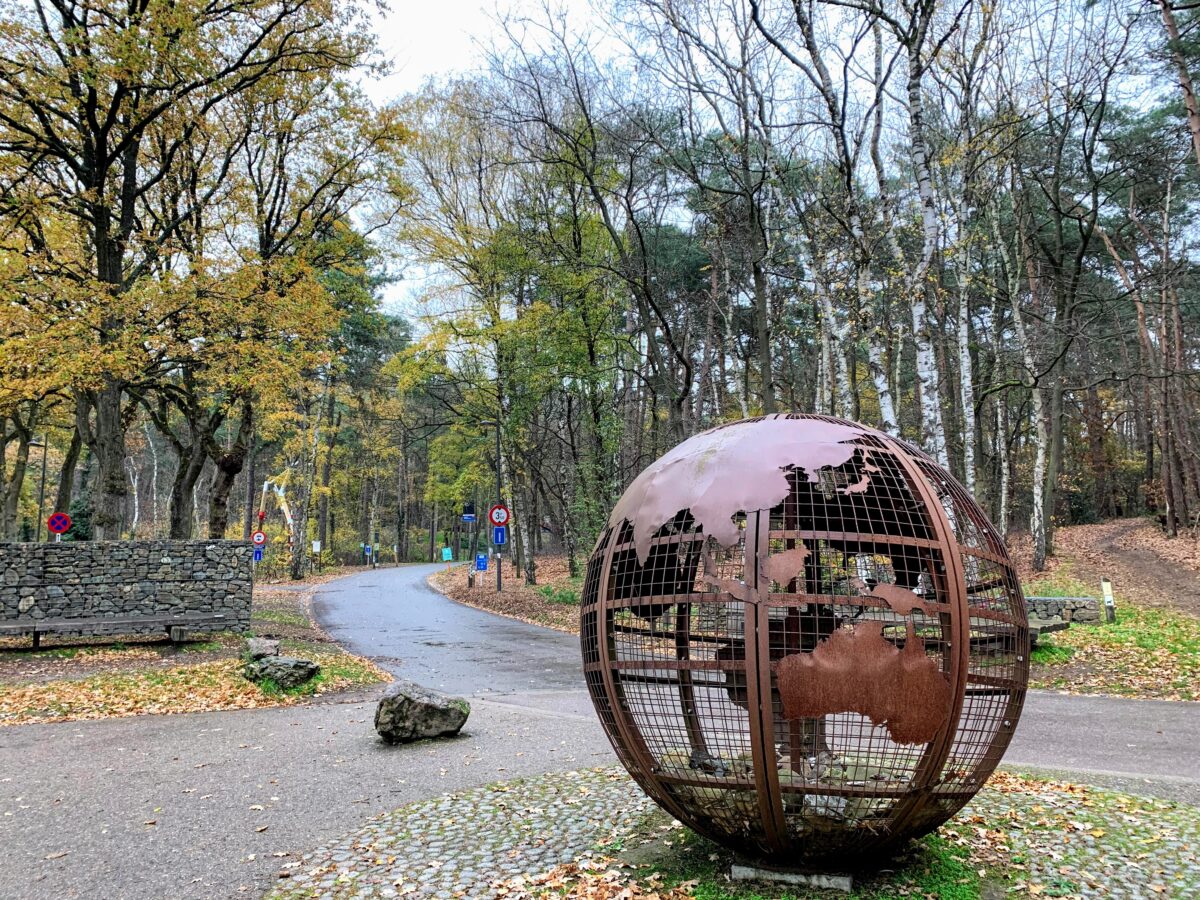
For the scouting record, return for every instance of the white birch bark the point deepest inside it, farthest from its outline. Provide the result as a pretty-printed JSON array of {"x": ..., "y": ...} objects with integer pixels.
[
  {"x": 1037, "y": 518},
  {"x": 966, "y": 377}
]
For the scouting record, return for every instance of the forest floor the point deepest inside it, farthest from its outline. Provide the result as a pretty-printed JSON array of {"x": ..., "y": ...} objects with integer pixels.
[
  {"x": 1151, "y": 651},
  {"x": 552, "y": 603},
  {"x": 91, "y": 678}
]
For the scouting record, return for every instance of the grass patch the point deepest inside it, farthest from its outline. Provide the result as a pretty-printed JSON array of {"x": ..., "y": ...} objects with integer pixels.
[
  {"x": 1047, "y": 653},
  {"x": 280, "y": 617},
  {"x": 934, "y": 867},
  {"x": 564, "y": 596},
  {"x": 1147, "y": 652}
]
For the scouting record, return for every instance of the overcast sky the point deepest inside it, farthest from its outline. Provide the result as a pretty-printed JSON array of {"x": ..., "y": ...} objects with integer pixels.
[{"x": 429, "y": 37}]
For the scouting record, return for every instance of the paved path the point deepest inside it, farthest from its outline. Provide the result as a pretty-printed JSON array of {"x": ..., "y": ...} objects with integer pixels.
[
  {"x": 394, "y": 617},
  {"x": 77, "y": 798}
]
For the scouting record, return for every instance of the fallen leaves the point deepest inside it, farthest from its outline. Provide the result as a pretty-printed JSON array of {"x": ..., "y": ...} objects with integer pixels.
[
  {"x": 591, "y": 879},
  {"x": 202, "y": 687},
  {"x": 540, "y": 605}
]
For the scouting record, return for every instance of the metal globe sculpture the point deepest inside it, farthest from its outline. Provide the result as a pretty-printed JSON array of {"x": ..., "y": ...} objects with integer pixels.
[{"x": 804, "y": 639}]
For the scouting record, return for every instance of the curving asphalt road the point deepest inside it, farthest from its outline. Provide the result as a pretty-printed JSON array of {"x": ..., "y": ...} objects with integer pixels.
[
  {"x": 393, "y": 616},
  {"x": 396, "y": 619}
]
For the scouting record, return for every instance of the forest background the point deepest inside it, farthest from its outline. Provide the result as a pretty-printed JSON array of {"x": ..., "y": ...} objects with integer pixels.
[{"x": 968, "y": 223}]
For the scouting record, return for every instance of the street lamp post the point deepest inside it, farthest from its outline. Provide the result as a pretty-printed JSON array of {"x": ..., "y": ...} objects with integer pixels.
[{"x": 499, "y": 500}]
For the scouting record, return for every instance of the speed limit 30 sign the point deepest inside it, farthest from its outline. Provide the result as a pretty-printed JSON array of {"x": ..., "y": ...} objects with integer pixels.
[{"x": 499, "y": 515}]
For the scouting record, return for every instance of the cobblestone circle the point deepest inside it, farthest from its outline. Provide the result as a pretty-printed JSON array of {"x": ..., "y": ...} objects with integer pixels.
[
  {"x": 460, "y": 844},
  {"x": 1092, "y": 843},
  {"x": 1056, "y": 842}
]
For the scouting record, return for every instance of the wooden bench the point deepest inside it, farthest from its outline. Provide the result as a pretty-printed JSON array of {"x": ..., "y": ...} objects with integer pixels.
[{"x": 175, "y": 625}]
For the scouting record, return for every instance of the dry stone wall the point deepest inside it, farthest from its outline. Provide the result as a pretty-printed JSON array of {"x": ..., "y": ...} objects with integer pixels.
[
  {"x": 1085, "y": 610},
  {"x": 112, "y": 579}
]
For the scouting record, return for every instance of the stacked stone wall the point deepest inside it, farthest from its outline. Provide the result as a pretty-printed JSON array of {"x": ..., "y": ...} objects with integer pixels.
[
  {"x": 1069, "y": 609},
  {"x": 112, "y": 579}
]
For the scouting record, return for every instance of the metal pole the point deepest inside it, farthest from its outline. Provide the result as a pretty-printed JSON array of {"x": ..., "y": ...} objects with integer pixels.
[
  {"x": 499, "y": 499},
  {"x": 37, "y": 535}
]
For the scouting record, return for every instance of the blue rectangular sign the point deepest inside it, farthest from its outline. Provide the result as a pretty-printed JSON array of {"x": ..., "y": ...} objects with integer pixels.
[
  {"x": 500, "y": 534},
  {"x": 468, "y": 517},
  {"x": 481, "y": 562},
  {"x": 258, "y": 554}
]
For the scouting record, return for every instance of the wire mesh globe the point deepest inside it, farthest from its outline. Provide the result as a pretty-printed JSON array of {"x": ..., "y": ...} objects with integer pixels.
[{"x": 804, "y": 639}]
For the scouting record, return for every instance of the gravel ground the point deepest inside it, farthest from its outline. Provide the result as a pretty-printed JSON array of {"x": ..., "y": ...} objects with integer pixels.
[{"x": 1041, "y": 839}]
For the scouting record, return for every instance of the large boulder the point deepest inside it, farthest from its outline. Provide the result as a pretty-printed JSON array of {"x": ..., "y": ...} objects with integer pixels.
[
  {"x": 286, "y": 671},
  {"x": 409, "y": 712}
]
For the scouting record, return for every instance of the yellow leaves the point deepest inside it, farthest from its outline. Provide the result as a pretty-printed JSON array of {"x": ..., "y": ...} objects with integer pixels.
[{"x": 196, "y": 688}]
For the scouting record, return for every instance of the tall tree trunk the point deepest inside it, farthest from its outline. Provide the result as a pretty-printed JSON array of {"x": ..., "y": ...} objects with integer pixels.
[
  {"x": 66, "y": 475},
  {"x": 182, "y": 508},
  {"x": 327, "y": 466},
  {"x": 1185, "y": 78},
  {"x": 107, "y": 431},
  {"x": 251, "y": 492},
  {"x": 228, "y": 464},
  {"x": 306, "y": 471},
  {"x": 966, "y": 376},
  {"x": 14, "y": 483}
]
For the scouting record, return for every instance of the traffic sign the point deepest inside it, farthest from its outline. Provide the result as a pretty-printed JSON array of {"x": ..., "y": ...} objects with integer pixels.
[
  {"x": 258, "y": 551},
  {"x": 498, "y": 514},
  {"x": 499, "y": 535},
  {"x": 481, "y": 562},
  {"x": 258, "y": 538},
  {"x": 58, "y": 523},
  {"x": 468, "y": 517},
  {"x": 366, "y": 549}
]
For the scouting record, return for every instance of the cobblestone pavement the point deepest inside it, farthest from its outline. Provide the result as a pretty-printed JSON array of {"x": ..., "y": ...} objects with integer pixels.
[
  {"x": 1090, "y": 843},
  {"x": 1049, "y": 839},
  {"x": 460, "y": 844}
]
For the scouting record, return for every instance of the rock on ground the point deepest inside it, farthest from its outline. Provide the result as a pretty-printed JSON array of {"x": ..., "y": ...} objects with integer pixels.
[
  {"x": 258, "y": 648},
  {"x": 410, "y": 712},
  {"x": 285, "y": 671}
]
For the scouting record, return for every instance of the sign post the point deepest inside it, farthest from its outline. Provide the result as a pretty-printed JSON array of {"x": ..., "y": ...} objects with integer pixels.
[
  {"x": 57, "y": 524},
  {"x": 259, "y": 540},
  {"x": 1110, "y": 605},
  {"x": 499, "y": 516}
]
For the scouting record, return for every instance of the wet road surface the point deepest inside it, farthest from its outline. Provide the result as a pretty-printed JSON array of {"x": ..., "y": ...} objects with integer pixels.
[{"x": 392, "y": 615}]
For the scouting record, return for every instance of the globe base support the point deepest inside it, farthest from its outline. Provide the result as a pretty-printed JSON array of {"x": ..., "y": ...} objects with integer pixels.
[{"x": 821, "y": 880}]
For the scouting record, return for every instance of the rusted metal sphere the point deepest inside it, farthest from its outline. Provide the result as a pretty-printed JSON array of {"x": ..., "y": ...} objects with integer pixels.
[{"x": 804, "y": 639}]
